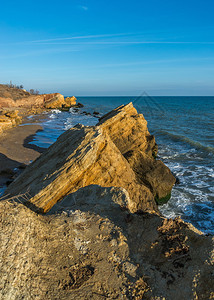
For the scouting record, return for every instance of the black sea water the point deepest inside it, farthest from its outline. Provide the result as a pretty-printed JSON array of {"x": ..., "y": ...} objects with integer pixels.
[{"x": 184, "y": 131}]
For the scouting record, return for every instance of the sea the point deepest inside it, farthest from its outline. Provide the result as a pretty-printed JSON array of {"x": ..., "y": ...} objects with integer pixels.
[{"x": 184, "y": 131}]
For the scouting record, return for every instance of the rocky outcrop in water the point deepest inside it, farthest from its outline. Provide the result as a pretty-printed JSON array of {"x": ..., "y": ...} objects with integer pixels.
[
  {"x": 70, "y": 101},
  {"x": 97, "y": 155},
  {"x": 53, "y": 101},
  {"x": 128, "y": 130}
]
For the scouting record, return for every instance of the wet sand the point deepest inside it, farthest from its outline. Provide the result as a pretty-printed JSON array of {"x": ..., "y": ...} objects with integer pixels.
[{"x": 15, "y": 150}]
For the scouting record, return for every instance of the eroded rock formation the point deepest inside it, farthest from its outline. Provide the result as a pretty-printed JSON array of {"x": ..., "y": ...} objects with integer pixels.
[
  {"x": 70, "y": 101},
  {"x": 89, "y": 247},
  {"x": 117, "y": 152},
  {"x": 14, "y": 101},
  {"x": 80, "y": 157},
  {"x": 128, "y": 130},
  {"x": 19, "y": 98},
  {"x": 9, "y": 119}
]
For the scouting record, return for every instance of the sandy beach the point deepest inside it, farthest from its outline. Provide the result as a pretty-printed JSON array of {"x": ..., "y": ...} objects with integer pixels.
[{"x": 15, "y": 150}]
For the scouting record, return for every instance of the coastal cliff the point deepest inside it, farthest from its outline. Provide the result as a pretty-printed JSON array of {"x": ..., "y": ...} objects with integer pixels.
[
  {"x": 14, "y": 103},
  {"x": 100, "y": 234}
]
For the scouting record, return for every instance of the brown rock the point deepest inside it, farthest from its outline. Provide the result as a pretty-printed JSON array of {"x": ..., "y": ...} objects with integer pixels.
[
  {"x": 26, "y": 102},
  {"x": 86, "y": 250},
  {"x": 9, "y": 119},
  {"x": 128, "y": 130},
  {"x": 152, "y": 173},
  {"x": 4, "y": 118},
  {"x": 49, "y": 101},
  {"x": 70, "y": 101},
  {"x": 80, "y": 157},
  {"x": 12, "y": 114},
  {"x": 52, "y": 101}
]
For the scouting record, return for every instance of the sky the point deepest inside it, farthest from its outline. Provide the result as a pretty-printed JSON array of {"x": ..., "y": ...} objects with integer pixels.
[{"x": 109, "y": 48}]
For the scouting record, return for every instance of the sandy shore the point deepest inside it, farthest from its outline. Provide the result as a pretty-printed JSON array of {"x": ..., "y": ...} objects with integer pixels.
[{"x": 16, "y": 150}]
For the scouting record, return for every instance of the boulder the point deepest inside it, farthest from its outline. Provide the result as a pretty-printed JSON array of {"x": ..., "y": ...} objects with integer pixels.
[
  {"x": 128, "y": 130},
  {"x": 53, "y": 101},
  {"x": 9, "y": 119},
  {"x": 81, "y": 156},
  {"x": 70, "y": 101}
]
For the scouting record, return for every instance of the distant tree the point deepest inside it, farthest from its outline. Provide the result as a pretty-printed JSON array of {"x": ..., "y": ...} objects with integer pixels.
[
  {"x": 11, "y": 85},
  {"x": 34, "y": 92}
]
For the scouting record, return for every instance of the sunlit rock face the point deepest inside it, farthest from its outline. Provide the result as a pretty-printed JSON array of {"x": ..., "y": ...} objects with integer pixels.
[
  {"x": 117, "y": 152},
  {"x": 128, "y": 130},
  {"x": 81, "y": 156},
  {"x": 70, "y": 101}
]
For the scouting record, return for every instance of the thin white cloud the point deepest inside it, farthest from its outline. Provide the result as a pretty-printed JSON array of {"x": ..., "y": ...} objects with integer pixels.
[
  {"x": 92, "y": 36},
  {"x": 122, "y": 39},
  {"x": 49, "y": 42},
  {"x": 85, "y": 8},
  {"x": 151, "y": 62}
]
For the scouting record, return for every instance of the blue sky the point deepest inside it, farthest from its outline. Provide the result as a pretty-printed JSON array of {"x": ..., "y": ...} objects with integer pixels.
[{"x": 88, "y": 47}]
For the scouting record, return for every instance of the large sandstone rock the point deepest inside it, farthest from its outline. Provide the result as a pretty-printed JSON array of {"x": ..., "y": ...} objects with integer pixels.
[
  {"x": 128, "y": 130},
  {"x": 70, "y": 101},
  {"x": 89, "y": 247},
  {"x": 53, "y": 101},
  {"x": 84, "y": 156},
  {"x": 81, "y": 156}
]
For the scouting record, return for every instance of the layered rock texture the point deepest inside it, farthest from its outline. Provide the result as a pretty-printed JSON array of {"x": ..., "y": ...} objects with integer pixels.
[
  {"x": 70, "y": 101},
  {"x": 18, "y": 98},
  {"x": 9, "y": 119},
  {"x": 97, "y": 155},
  {"x": 80, "y": 157},
  {"x": 89, "y": 247},
  {"x": 102, "y": 236},
  {"x": 128, "y": 130},
  {"x": 49, "y": 101},
  {"x": 14, "y": 101}
]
